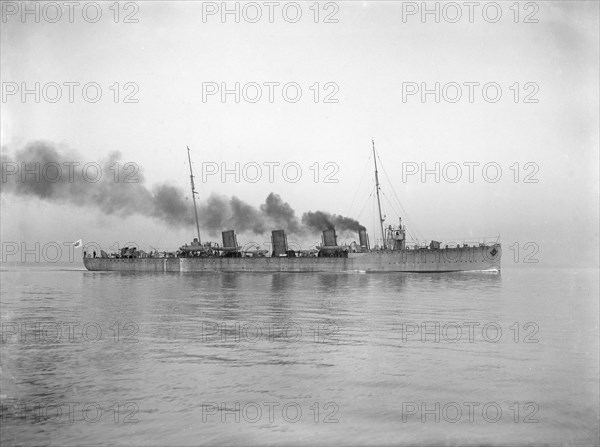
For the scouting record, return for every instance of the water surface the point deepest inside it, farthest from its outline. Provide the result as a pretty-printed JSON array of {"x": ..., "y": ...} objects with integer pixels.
[{"x": 249, "y": 358}]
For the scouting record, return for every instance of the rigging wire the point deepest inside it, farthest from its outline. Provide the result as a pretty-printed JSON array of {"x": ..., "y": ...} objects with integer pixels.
[
  {"x": 364, "y": 205},
  {"x": 358, "y": 188},
  {"x": 405, "y": 214},
  {"x": 415, "y": 239},
  {"x": 373, "y": 227}
]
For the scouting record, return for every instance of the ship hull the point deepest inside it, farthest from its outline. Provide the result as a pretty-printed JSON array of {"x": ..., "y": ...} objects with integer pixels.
[{"x": 483, "y": 258}]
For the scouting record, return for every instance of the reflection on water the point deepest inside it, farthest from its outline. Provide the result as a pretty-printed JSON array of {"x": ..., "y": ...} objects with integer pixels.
[{"x": 216, "y": 358}]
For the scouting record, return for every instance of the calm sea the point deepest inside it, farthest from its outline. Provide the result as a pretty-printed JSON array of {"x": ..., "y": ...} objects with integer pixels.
[{"x": 97, "y": 358}]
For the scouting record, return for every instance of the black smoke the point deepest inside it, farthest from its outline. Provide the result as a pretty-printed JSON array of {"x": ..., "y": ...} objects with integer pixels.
[
  {"x": 41, "y": 171},
  {"x": 110, "y": 185},
  {"x": 281, "y": 213},
  {"x": 320, "y": 221}
]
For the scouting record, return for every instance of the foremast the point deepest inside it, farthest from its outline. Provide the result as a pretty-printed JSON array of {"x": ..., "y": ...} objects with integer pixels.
[
  {"x": 381, "y": 219},
  {"x": 194, "y": 194}
]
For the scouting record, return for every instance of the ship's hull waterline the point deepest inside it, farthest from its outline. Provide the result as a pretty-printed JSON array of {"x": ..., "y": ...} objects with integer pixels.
[{"x": 482, "y": 258}]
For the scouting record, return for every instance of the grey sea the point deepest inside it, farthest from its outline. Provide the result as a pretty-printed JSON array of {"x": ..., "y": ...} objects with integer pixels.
[{"x": 103, "y": 358}]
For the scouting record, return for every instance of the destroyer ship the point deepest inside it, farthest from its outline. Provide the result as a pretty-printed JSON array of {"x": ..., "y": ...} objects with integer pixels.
[{"x": 393, "y": 254}]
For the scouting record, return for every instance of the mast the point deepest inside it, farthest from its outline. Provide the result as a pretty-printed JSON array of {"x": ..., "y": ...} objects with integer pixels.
[
  {"x": 378, "y": 200},
  {"x": 194, "y": 194}
]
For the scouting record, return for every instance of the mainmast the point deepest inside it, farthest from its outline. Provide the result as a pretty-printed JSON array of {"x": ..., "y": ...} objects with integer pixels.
[
  {"x": 378, "y": 201},
  {"x": 194, "y": 194}
]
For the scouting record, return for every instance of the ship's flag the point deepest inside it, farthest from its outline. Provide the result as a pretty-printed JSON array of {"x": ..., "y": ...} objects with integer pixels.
[{"x": 78, "y": 243}]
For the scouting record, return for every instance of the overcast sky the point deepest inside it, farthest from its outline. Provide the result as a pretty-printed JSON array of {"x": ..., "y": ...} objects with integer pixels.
[{"x": 364, "y": 60}]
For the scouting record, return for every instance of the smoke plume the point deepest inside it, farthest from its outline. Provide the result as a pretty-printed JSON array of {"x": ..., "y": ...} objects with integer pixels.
[
  {"x": 320, "y": 220},
  {"x": 39, "y": 170},
  {"x": 281, "y": 213}
]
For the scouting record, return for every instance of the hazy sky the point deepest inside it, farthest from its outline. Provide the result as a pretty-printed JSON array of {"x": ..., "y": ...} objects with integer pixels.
[{"x": 369, "y": 57}]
